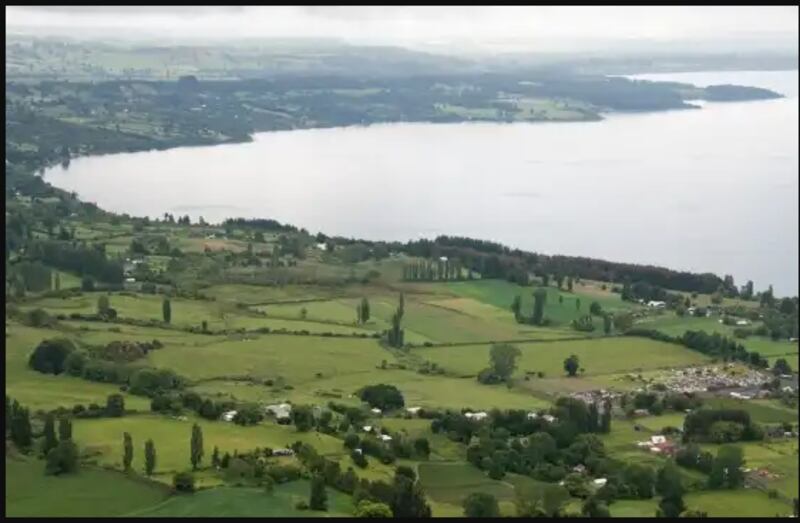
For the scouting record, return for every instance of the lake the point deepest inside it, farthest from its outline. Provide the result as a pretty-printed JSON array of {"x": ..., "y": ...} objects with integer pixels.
[{"x": 713, "y": 189}]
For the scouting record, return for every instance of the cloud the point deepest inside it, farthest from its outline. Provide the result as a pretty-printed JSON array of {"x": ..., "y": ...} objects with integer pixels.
[{"x": 539, "y": 26}]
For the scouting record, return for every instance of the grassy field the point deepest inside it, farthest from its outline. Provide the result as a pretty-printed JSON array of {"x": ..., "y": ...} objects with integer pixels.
[
  {"x": 447, "y": 484},
  {"x": 253, "y": 295},
  {"x": 249, "y": 502},
  {"x": 442, "y": 448},
  {"x": 737, "y": 503},
  {"x": 171, "y": 437},
  {"x": 423, "y": 391},
  {"x": 46, "y": 391},
  {"x": 656, "y": 423},
  {"x": 634, "y": 508},
  {"x": 89, "y": 493},
  {"x": 501, "y": 293},
  {"x": 296, "y": 358},
  {"x": 778, "y": 457},
  {"x": 761, "y": 411},
  {"x": 597, "y": 356}
]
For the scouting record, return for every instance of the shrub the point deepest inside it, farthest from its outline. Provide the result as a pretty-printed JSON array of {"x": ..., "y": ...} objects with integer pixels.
[
  {"x": 183, "y": 482},
  {"x": 384, "y": 397},
  {"x": 62, "y": 459},
  {"x": 50, "y": 355}
]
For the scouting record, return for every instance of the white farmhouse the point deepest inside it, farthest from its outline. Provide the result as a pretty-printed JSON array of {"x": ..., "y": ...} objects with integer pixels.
[
  {"x": 279, "y": 410},
  {"x": 228, "y": 416}
]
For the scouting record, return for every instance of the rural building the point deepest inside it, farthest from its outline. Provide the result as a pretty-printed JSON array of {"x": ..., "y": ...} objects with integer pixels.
[
  {"x": 283, "y": 452},
  {"x": 385, "y": 438},
  {"x": 599, "y": 482},
  {"x": 658, "y": 444},
  {"x": 279, "y": 410},
  {"x": 477, "y": 416},
  {"x": 742, "y": 322},
  {"x": 367, "y": 428},
  {"x": 656, "y": 304},
  {"x": 376, "y": 411},
  {"x": 548, "y": 418},
  {"x": 413, "y": 410},
  {"x": 228, "y": 416}
]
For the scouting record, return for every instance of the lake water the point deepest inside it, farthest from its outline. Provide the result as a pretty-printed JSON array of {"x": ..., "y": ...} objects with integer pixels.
[{"x": 714, "y": 189}]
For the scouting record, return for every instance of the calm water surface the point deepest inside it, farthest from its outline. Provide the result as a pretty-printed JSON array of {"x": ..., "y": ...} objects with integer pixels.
[{"x": 714, "y": 189}]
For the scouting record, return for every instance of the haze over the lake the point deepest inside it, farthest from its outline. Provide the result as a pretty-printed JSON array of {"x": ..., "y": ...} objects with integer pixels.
[{"x": 714, "y": 189}]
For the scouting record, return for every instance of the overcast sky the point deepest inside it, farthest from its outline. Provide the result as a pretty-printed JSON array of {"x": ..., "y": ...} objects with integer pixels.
[{"x": 509, "y": 27}]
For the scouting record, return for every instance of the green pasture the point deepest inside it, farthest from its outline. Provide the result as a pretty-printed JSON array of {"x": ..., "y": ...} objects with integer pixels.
[
  {"x": 298, "y": 359},
  {"x": 171, "y": 437},
  {"x": 92, "y": 492},
  {"x": 46, "y": 391},
  {"x": 737, "y": 503},
  {"x": 249, "y": 502},
  {"x": 421, "y": 390},
  {"x": 597, "y": 356}
]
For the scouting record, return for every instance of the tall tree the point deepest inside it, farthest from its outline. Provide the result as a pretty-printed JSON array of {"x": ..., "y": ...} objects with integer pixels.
[
  {"x": 64, "y": 429},
  {"x": 364, "y": 310},
  {"x": 569, "y": 283},
  {"x": 166, "y": 310},
  {"x": 50, "y": 441},
  {"x": 127, "y": 451},
  {"x": 318, "y": 498},
  {"x": 21, "y": 433},
  {"x": 503, "y": 360},
  {"x": 516, "y": 307},
  {"x": 605, "y": 418},
  {"x": 668, "y": 484},
  {"x": 401, "y": 308},
  {"x": 102, "y": 304},
  {"x": 607, "y": 323},
  {"x": 539, "y": 299},
  {"x": 408, "y": 500},
  {"x": 726, "y": 471},
  {"x": 149, "y": 457},
  {"x": 594, "y": 418},
  {"x": 747, "y": 290},
  {"x": 196, "y": 446},
  {"x": 115, "y": 405}
]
